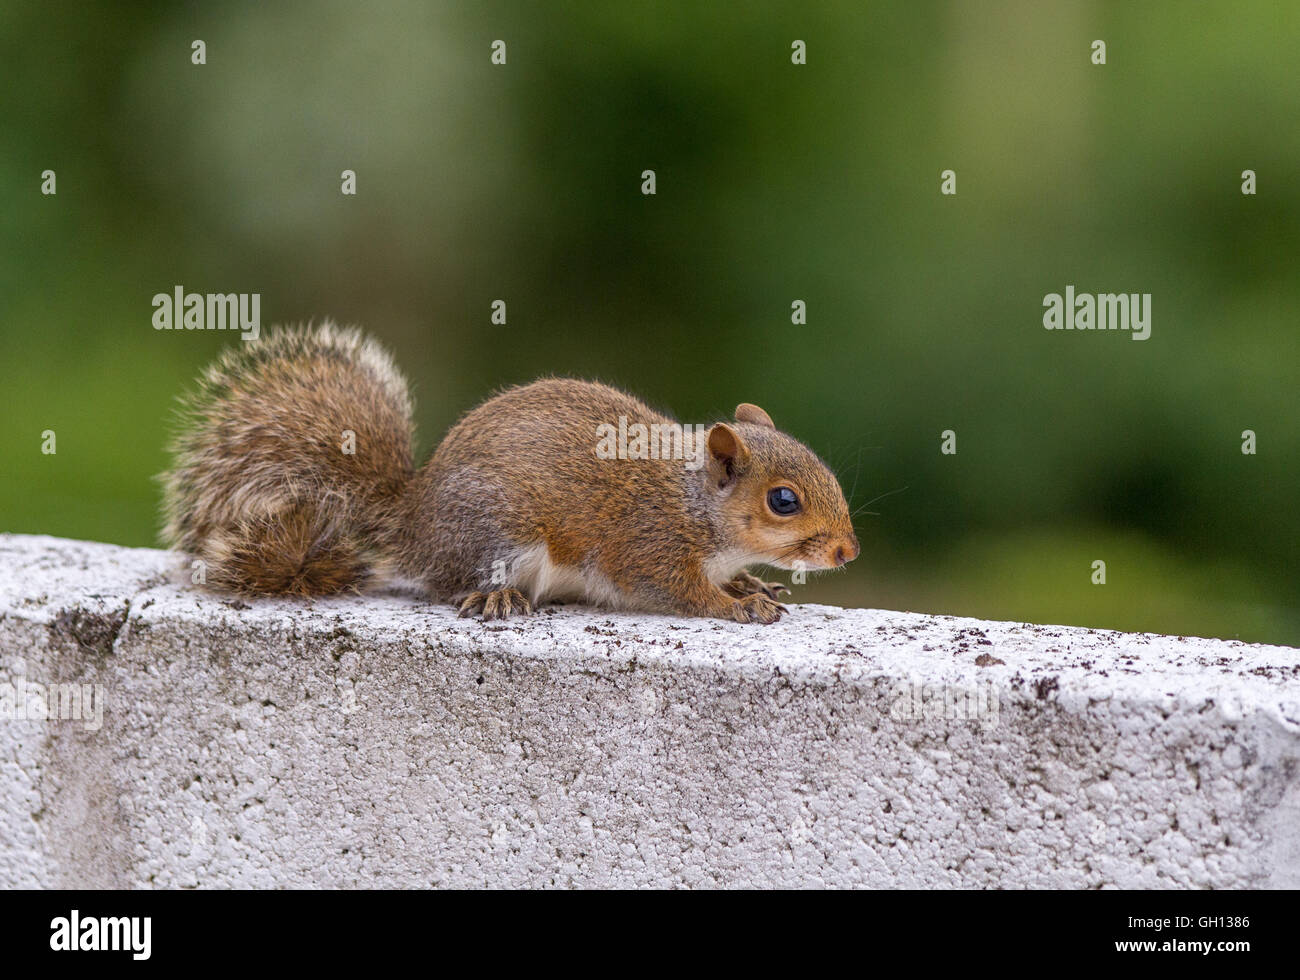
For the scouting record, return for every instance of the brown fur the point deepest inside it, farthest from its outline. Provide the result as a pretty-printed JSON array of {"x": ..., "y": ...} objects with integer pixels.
[{"x": 262, "y": 492}]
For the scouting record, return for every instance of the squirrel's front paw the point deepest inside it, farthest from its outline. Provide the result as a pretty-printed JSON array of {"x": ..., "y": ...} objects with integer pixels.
[
  {"x": 498, "y": 604},
  {"x": 745, "y": 584},
  {"x": 757, "y": 608}
]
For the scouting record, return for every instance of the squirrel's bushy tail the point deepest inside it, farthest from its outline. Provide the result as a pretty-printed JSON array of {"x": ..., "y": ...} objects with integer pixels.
[{"x": 290, "y": 463}]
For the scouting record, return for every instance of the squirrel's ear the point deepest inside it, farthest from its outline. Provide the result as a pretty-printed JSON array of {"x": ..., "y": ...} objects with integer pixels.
[
  {"x": 745, "y": 412},
  {"x": 727, "y": 453}
]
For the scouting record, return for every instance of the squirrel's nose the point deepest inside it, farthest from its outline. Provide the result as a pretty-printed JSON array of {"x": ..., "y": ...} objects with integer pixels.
[{"x": 846, "y": 552}]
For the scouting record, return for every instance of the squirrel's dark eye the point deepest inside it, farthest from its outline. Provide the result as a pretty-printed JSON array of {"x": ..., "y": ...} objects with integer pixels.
[{"x": 783, "y": 501}]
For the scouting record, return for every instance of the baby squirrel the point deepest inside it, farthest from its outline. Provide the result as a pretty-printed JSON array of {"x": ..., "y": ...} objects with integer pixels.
[{"x": 514, "y": 507}]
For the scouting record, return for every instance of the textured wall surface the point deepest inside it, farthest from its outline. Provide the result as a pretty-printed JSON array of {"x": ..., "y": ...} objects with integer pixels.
[{"x": 380, "y": 741}]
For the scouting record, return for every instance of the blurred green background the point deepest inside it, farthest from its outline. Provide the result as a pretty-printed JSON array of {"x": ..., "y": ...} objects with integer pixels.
[{"x": 776, "y": 182}]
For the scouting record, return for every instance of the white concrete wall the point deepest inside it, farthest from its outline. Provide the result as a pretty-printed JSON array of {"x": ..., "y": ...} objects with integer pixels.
[{"x": 381, "y": 741}]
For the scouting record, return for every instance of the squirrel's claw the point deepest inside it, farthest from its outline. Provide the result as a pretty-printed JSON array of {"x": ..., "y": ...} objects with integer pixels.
[
  {"x": 745, "y": 584},
  {"x": 758, "y": 608},
  {"x": 498, "y": 604}
]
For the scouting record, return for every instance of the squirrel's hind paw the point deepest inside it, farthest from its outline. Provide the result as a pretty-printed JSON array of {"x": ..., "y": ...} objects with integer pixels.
[{"x": 498, "y": 604}]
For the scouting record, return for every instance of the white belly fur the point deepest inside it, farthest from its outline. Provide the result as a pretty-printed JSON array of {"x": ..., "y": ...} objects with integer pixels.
[
  {"x": 723, "y": 567},
  {"x": 541, "y": 579}
]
